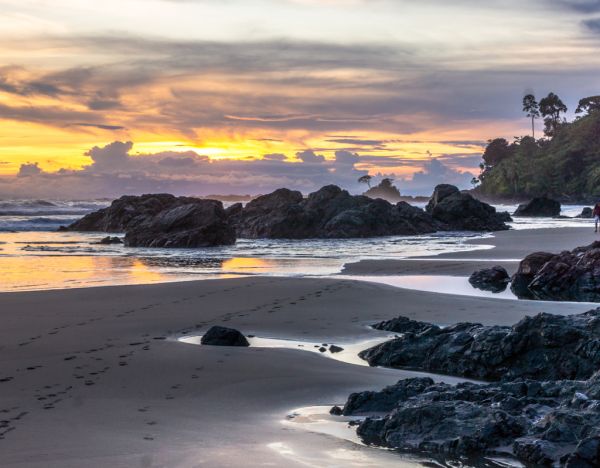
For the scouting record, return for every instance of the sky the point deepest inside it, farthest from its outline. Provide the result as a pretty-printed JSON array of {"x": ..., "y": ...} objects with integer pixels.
[{"x": 200, "y": 97}]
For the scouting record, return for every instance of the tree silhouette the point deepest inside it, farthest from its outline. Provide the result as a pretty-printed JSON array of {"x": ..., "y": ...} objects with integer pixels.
[
  {"x": 532, "y": 110},
  {"x": 588, "y": 105},
  {"x": 366, "y": 179},
  {"x": 551, "y": 107}
]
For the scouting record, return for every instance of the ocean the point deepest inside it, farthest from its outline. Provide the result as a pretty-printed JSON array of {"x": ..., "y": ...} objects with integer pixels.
[{"x": 34, "y": 256}]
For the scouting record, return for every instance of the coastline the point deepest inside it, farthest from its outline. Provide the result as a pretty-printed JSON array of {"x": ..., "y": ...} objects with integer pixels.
[{"x": 109, "y": 357}]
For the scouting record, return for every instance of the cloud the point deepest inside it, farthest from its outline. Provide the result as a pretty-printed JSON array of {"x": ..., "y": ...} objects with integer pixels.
[
  {"x": 27, "y": 170},
  {"x": 115, "y": 171},
  {"x": 593, "y": 25},
  {"x": 434, "y": 172}
]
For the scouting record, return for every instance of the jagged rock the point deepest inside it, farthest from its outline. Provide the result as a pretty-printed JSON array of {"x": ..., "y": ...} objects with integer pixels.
[
  {"x": 493, "y": 279},
  {"x": 336, "y": 411},
  {"x": 403, "y": 325},
  {"x": 223, "y": 336},
  {"x": 541, "y": 347},
  {"x": 586, "y": 213},
  {"x": 110, "y": 240},
  {"x": 128, "y": 212},
  {"x": 568, "y": 276},
  {"x": 202, "y": 223},
  {"x": 328, "y": 213},
  {"x": 542, "y": 423},
  {"x": 460, "y": 211},
  {"x": 539, "y": 207}
]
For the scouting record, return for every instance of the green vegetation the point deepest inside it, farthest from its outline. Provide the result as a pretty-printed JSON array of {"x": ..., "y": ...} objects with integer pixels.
[{"x": 565, "y": 165}]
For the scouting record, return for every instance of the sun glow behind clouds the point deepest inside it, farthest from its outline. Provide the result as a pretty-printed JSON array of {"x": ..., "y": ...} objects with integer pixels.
[{"x": 393, "y": 81}]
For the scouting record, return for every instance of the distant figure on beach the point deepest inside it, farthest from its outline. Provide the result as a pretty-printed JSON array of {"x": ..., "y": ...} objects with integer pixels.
[{"x": 596, "y": 215}]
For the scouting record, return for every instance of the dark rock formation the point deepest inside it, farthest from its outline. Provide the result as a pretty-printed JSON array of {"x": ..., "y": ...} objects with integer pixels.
[
  {"x": 328, "y": 213},
  {"x": 162, "y": 220},
  {"x": 202, "y": 223},
  {"x": 568, "y": 276},
  {"x": 460, "y": 211},
  {"x": 110, "y": 240},
  {"x": 128, "y": 212},
  {"x": 540, "y": 423},
  {"x": 586, "y": 213},
  {"x": 222, "y": 336},
  {"x": 539, "y": 207},
  {"x": 545, "y": 346},
  {"x": 493, "y": 279},
  {"x": 403, "y": 325},
  {"x": 385, "y": 190}
]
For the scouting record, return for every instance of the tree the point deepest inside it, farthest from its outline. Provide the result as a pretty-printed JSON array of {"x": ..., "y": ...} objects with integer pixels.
[
  {"x": 497, "y": 150},
  {"x": 532, "y": 110},
  {"x": 551, "y": 107},
  {"x": 366, "y": 179},
  {"x": 588, "y": 105}
]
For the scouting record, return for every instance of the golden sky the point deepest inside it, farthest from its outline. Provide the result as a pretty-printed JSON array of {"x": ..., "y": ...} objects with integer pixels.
[{"x": 395, "y": 83}]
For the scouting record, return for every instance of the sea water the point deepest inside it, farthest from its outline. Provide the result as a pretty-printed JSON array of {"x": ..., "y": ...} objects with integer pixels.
[{"x": 34, "y": 256}]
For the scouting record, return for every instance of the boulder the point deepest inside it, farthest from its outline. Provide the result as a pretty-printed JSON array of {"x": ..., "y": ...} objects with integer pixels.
[
  {"x": 586, "y": 213},
  {"x": 461, "y": 212},
  {"x": 541, "y": 347},
  {"x": 493, "y": 279},
  {"x": 223, "y": 336},
  {"x": 202, "y": 223},
  {"x": 128, "y": 212},
  {"x": 328, "y": 213},
  {"x": 539, "y": 207},
  {"x": 403, "y": 325},
  {"x": 567, "y": 276},
  {"x": 540, "y": 423},
  {"x": 108, "y": 240}
]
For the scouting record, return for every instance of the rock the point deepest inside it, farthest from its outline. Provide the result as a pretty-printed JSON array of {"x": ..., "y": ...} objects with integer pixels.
[
  {"x": 539, "y": 207},
  {"x": 222, "y": 336},
  {"x": 460, "y": 211},
  {"x": 586, "y": 213},
  {"x": 541, "y": 347},
  {"x": 110, "y": 240},
  {"x": 568, "y": 276},
  {"x": 162, "y": 220},
  {"x": 535, "y": 420},
  {"x": 493, "y": 279},
  {"x": 336, "y": 411},
  {"x": 202, "y": 223},
  {"x": 328, "y": 213},
  {"x": 335, "y": 349},
  {"x": 403, "y": 325}
]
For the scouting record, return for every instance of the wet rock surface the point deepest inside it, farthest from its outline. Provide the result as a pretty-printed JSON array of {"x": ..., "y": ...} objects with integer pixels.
[
  {"x": 544, "y": 347},
  {"x": 199, "y": 224},
  {"x": 541, "y": 423},
  {"x": 223, "y": 336},
  {"x": 586, "y": 213},
  {"x": 460, "y": 211},
  {"x": 568, "y": 276},
  {"x": 493, "y": 279},
  {"x": 328, "y": 213},
  {"x": 539, "y": 207}
]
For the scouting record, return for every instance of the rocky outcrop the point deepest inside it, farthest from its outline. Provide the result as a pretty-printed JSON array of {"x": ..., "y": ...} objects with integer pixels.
[
  {"x": 460, "y": 211},
  {"x": 493, "y": 279},
  {"x": 568, "y": 276},
  {"x": 548, "y": 347},
  {"x": 328, "y": 213},
  {"x": 109, "y": 240},
  {"x": 202, "y": 223},
  {"x": 403, "y": 325},
  {"x": 128, "y": 212},
  {"x": 223, "y": 336},
  {"x": 586, "y": 213},
  {"x": 539, "y": 207},
  {"x": 547, "y": 423}
]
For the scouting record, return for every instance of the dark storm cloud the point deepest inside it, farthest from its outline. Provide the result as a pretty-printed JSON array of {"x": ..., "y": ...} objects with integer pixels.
[{"x": 593, "y": 25}]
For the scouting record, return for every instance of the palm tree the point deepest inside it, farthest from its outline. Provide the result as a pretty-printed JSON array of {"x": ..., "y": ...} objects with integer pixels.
[
  {"x": 366, "y": 179},
  {"x": 532, "y": 110}
]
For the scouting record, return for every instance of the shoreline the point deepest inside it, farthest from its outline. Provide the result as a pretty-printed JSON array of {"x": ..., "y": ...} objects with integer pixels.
[{"x": 113, "y": 390}]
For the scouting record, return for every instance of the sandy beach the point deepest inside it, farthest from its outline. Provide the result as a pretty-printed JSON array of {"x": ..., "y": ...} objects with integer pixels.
[{"x": 95, "y": 377}]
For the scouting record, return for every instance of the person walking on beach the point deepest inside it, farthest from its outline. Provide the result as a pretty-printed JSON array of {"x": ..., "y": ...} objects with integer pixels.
[{"x": 596, "y": 215}]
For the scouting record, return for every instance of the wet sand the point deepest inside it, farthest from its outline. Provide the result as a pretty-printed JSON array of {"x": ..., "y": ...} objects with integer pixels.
[
  {"x": 509, "y": 247},
  {"x": 94, "y": 377}
]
